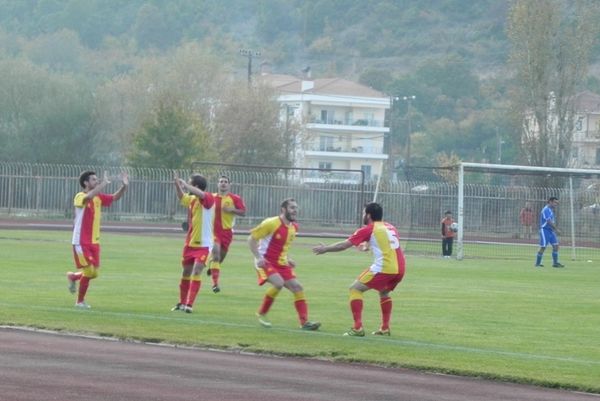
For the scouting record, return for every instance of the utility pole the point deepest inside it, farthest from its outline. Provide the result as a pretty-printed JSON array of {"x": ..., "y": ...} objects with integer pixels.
[{"x": 250, "y": 54}]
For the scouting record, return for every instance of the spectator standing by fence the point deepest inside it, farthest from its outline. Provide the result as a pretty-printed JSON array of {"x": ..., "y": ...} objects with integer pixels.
[
  {"x": 86, "y": 230},
  {"x": 526, "y": 219},
  {"x": 447, "y": 234}
]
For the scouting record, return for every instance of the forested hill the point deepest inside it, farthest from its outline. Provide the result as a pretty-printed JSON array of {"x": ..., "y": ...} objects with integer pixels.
[
  {"x": 344, "y": 37},
  {"x": 102, "y": 72}
]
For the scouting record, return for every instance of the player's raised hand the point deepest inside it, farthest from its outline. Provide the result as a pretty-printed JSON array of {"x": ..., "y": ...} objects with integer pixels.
[{"x": 125, "y": 178}]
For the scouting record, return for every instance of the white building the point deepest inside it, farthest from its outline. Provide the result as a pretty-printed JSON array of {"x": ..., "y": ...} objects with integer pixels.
[
  {"x": 341, "y": 123},
  {"x": 586, "y": 135}
]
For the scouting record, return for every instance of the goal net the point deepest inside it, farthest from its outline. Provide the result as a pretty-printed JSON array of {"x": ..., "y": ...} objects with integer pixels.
[{"x": 498, "y": 208}]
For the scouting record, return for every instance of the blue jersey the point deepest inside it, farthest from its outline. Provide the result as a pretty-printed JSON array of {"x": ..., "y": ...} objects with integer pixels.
[{"x": 547, "y": 216}]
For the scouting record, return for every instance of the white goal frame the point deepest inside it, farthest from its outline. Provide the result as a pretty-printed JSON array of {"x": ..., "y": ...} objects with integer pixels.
[{"x": 505, "y": 168}]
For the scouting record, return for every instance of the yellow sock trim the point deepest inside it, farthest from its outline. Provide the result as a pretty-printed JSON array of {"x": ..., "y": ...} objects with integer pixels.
[
  {"x": 215, "y": 265},
  {"x": 196, "y": 278},
  {"x": 299, "y": 296},
  {"x": 272, "y": 292},
  {"x": 355, "y": 294}
]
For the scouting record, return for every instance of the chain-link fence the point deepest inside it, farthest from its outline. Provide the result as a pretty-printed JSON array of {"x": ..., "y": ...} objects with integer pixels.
[{"x": 328, "y": 204}]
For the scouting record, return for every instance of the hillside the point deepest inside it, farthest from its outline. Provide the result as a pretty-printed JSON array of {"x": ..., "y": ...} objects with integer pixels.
[{"x": 344, "y": 37}]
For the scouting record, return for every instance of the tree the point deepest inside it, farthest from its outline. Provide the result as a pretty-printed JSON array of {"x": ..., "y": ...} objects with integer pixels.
[
  {"x": 248, "y": 129},
  {"x": 44, "y": 117},
  {"x": 170, "y": 137},
  {"x": 551, "y": 41}
]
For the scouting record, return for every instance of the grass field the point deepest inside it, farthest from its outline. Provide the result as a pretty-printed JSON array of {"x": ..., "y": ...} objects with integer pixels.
[{"x": 488, "y": 318}]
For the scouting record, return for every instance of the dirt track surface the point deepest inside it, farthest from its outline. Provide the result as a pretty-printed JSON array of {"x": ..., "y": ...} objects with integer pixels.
[{"x": 46, "y": 366}]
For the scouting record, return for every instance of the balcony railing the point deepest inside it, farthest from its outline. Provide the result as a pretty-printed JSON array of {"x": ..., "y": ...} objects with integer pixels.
[
  {"x": 344, "y": 148},
  {"x": 357, "y": 122}
]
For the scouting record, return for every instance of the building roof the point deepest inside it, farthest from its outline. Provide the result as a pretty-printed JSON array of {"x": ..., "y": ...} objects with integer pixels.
[
  {"x": 323, "y": 86},
  {"x": 587, "y": 101}
]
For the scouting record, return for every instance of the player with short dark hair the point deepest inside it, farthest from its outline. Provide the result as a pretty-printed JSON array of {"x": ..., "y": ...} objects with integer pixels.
[
  {"x": 199, "y": 238},
  {"x": 269, "y": 242},
  {"x": 548, "y": 233},
  {"x": 86, "y": 230},
  {"x": 227, "y": 206},
  {"x": 384, "y": 274}
]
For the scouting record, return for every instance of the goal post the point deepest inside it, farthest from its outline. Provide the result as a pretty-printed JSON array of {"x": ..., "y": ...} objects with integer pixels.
[{"x": 515, "y": 170}]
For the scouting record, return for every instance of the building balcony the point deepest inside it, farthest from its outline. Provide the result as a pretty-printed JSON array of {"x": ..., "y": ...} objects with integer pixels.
[
  {"x": 345, "y": 152},
  {"x": 336, "y": 148},
  {"x": 353, "y": 122}
]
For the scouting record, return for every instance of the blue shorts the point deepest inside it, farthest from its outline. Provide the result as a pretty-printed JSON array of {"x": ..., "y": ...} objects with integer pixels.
[{"x": 547, "y": 237}]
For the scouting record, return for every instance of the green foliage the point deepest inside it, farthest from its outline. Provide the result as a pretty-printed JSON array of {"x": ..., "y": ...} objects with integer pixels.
[
  {"x": 485, "y": 318},
  {"x": 45, "y": 117},
  {"x": 550, "y": 55},
  {"x": 255, "y": 135},
  {"x": 170, "y": 137}
]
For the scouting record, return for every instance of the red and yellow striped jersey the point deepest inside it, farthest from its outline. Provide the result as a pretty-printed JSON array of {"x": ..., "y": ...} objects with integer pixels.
[
  {"x": 200, "y": 219},
  {"x": 275, "y": 239},
  {"x": 226, "y": 220},
  {"x": 86, "y": 226},
  {"x": 385, "y": 243}
]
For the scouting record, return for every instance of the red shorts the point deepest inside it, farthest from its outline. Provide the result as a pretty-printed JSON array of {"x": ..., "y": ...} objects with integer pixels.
[
  {"x": 193, "y": 254},
  {"x": 224, "y": 238},
  {"x": 286, "y": 272},
  {"x": 86, "y": 255},
  {"x": 380, "y": 281}
]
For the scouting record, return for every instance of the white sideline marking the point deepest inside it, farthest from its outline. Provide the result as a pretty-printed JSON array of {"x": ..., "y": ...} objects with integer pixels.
[{"x": 418, "y": 344}]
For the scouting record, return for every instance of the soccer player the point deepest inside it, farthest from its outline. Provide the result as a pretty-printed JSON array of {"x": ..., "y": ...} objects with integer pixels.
[
  {"x": 383, "y": 275},
  {"x": 86, "y": 230},
  {"x": 447, "y": 234},
  {"x": 199, "y": 238},
  {"x": 227, "y": 206},
  {"x": 548, "y": 231},
  {"x": 270, "y": 242}
]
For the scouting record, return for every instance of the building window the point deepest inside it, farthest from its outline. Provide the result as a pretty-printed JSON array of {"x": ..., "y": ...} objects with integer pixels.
[
  {"x": 325, "y": 165},
  {"x": 579, "y": 124},
  {"x": 327, "y": 116},
  {"x": 367, "y": 170},
  {"x": 326, "y": 143}
]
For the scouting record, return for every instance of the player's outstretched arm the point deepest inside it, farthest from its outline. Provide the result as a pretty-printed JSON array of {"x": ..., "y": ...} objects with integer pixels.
[
  {"x": 125, "y": 182},
  {"x": 337, "y": 247}
]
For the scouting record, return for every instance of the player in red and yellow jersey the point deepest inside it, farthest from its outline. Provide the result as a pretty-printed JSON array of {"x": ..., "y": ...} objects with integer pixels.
[
  {"x": 383, "y": 275},
  {"x": 199, "y": 238},
  {"x": 227, "y": 207},
  {"x": 270, "y": 242},
  {"x": 86, "y": 230}
]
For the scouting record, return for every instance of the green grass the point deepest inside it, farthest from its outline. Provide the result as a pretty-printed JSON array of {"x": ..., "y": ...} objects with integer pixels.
[{"x": 489, "y": 318}]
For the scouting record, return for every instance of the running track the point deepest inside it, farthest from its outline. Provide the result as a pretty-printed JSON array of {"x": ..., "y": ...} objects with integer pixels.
[{"x": 37, "y": 365}]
